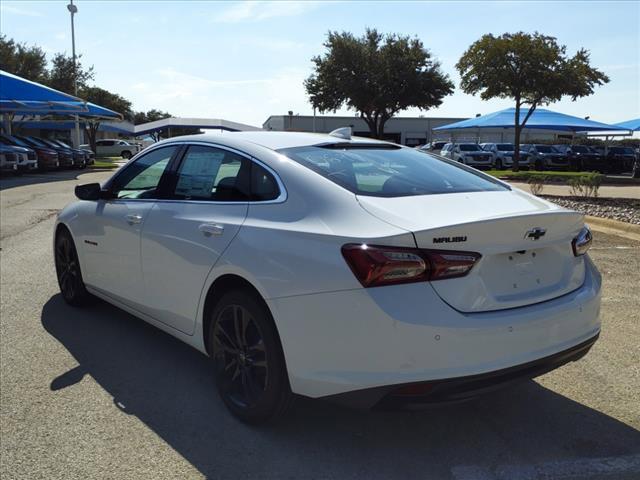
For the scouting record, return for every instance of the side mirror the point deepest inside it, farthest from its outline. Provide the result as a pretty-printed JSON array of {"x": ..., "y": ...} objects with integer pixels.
[{"x": 89, "y": 191}]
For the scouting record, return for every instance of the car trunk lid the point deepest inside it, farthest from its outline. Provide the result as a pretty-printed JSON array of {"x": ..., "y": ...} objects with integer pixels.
[{"x": 525, "y": 243}]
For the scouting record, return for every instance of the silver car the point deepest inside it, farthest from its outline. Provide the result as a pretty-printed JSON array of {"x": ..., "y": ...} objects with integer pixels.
[{"x": 503, "y": 155}]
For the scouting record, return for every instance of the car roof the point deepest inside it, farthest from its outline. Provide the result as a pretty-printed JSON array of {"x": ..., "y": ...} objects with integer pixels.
[{"x": 273, "y": 140}]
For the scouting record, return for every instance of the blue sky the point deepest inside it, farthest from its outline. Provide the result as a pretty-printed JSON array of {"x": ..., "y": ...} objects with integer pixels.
[{"x": 244, "y": 61}]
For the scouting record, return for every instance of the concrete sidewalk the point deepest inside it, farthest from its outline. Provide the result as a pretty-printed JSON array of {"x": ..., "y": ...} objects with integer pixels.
[{"x": 610, "y": 191}]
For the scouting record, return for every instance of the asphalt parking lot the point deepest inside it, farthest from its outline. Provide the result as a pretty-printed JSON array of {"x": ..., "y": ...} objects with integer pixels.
[{"x": 96, "y": 393}]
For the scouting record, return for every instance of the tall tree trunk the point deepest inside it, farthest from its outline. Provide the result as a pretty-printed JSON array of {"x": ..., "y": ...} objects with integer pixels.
[{"x": 93, "y": 130}]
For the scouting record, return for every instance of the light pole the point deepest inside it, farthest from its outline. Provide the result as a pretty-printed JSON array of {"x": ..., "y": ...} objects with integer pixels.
[{"x": 73, "y": 10}]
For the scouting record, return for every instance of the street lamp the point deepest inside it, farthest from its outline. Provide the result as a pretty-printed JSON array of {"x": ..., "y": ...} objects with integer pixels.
[{"x": 73, "y": 10}]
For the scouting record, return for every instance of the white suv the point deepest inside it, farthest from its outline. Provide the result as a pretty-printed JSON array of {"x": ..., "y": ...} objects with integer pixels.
[
  {"x": 503, "y": 155},
  {"x": 468, "y": 153},
  {"x": 115, "y": 148}
]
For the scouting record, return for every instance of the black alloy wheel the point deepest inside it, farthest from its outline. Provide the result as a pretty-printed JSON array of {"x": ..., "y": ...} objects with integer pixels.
[
  {"x": 250, "y": 371},
  {"x": 240, "y": 356},
  {"x": 68, "y": 270}
]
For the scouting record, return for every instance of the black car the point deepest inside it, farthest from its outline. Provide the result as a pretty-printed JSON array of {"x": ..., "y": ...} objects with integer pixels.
[
  {"x": 584, "y": 158},
  {"x": 47, "y": 157},
  {"x": 622, "y": 157},
  {"x": 80, "y": 157},
  {"x": 65, "y": 156}
]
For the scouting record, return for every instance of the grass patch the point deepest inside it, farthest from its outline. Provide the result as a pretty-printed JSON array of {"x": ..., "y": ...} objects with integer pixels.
[
  {"x": 525, "y": 176},
  {"x": 104, "y": 162}
]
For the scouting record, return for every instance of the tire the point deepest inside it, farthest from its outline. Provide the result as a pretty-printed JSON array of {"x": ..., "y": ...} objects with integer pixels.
[
  {"x": 539, "y": 166},
  {"x": 499, "y": 164},
  {"x": 251, "y": 375},
  {"x": 126, "y": 154},
  {"x": 68, "y": 270}
]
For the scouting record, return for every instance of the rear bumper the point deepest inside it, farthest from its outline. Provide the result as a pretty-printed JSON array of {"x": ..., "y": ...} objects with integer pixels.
[
  {"x": 349, "y": 341},
  {"x": 460, "y": 388}
]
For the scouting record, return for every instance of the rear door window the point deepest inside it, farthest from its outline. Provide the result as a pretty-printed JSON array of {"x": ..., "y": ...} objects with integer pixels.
[{"x": 209, "y": 173}]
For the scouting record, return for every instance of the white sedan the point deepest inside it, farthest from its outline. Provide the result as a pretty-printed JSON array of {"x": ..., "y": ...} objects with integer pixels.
[{"x": 336, "y": 267}]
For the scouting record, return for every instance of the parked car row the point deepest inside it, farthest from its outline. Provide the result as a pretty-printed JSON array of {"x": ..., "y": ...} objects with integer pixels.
[
  {"x": 537, "y": 156},
  {"x": 26, "y": 153}
]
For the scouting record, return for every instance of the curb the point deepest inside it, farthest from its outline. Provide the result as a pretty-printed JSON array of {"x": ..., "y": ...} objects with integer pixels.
[{"x": 614, "y": 227}]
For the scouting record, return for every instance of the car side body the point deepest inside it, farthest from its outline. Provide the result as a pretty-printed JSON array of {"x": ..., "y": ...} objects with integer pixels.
[
  {"x": 65, "y": 155},
  {"x": 115, "y": 148},
  {"x": 166, "y": 259}
]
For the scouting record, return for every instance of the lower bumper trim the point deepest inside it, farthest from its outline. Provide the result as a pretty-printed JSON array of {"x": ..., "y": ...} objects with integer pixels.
[{"x": 459, "y": 388}]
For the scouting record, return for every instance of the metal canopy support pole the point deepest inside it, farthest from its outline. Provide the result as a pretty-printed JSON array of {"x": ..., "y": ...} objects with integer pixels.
[{"x": 73, "y": 10}]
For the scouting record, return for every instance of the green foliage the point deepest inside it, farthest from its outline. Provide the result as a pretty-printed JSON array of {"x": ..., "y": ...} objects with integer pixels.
[
  {"x": 376, "y": 75},
  {"x": 24, "y": 61},
  {"x": 532, "y": 69},
  {"x": 586, "y": 185},
  {"x": 150, "y": 116},
  {"x": 536, "y": 184},
  {"x": 106, "y": 99},
  {"x": 63, "y": 72},
  {"x": 109, "y": 100}
]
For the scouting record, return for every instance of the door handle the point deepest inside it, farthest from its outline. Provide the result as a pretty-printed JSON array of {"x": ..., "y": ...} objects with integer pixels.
[
  {"x": 133, "y": 219},
  {"x": 209, "y": 229}
]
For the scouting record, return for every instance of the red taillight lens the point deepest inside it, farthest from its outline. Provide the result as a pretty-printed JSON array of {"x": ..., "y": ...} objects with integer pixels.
[{"x": 375, "y": 265}]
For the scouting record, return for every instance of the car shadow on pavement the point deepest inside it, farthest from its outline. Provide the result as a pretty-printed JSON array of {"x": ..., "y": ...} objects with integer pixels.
[
  {"x": 12, "y": 181},
  {"x": 169, "y": 386}
]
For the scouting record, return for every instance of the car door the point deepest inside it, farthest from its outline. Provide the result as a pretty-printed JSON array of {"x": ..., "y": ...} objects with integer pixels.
[
  {"x": 185, "y": 234},
  {"x": 110, "y": 228}
]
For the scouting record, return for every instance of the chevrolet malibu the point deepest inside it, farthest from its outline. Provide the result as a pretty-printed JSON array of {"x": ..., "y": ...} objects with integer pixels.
[{"x": 334, "y": 267}]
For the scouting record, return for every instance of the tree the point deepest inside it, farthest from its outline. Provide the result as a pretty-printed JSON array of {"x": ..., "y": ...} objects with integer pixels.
[
  {"x": 106, "y": 99},
  {"x": 151, "y": 116},
  {"x": 377, "y": 76},
  {"x": 19, "y": 59},
  {"x": 62, "y": 74},
  {"x": 531, "y": 69}
]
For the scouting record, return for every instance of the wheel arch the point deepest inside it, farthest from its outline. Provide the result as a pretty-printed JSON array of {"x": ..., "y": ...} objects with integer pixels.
[{"x": 225, "y": 283}]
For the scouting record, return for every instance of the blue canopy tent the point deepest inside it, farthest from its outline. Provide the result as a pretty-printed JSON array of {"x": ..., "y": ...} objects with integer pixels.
[
  {"x": 541, "y": 119},
  {"x": 96, "y": 111},
  {"x": 69, "y": 125},
  {"x": 24, "y": 97},
  {"x": 631, "y": 125}
]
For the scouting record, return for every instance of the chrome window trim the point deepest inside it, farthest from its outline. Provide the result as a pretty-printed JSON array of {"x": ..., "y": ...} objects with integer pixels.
[{"x": 281, "y": 198}]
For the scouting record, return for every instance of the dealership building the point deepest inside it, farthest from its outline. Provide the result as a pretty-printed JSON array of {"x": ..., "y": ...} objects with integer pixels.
[
  {"x": 404, "y": 130},
  {"x": 409, "y": 131}
]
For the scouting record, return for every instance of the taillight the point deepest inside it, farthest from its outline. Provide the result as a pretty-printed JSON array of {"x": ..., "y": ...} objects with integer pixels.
[
  {"x": 375, "y": 265},
  {"x": 582, "y": 242}
]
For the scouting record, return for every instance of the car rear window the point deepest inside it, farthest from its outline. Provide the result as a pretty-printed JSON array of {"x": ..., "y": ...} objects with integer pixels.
[{"x": 391, "y": 172}]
